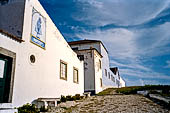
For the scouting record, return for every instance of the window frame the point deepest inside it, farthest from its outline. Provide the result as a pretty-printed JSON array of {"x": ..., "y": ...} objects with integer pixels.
[
  {"x": 65, "y": 63},
  {"x": 101, "y": 82},
  {"x": 109, "y": 75},
  {"x": 100, "y": 64},
  {"x": 74, "y": 68},
  {"x": 106, "y": 72},
  {"x": 11, "y": 55}
]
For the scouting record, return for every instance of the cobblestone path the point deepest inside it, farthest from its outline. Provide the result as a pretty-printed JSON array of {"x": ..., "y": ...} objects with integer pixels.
[{"x": 115, "y": 104}]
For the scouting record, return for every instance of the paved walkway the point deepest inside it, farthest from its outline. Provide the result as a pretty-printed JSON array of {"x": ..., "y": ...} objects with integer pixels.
[{"x": 114, "y": 104}]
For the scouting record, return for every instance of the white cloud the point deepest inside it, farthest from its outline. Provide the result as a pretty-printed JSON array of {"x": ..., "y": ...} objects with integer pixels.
[
  {"x": 152, "y": 42},
  {"x": 168, "y": 64},
  {"x": 133, "y": 44},
  {"x": 141, "y": 74},
  {"x": 120, "y": 12},
  {"x": 119, "y": 42},
  {"x": 131, "y": 65},
  {"x": 141, "y": 82}
]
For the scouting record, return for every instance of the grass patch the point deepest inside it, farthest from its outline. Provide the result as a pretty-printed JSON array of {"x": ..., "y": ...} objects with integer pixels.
[
  {"x": 133, "y": 89},
  {"x": 106, "y": 91},
  {"x": 128, "y": 90}
]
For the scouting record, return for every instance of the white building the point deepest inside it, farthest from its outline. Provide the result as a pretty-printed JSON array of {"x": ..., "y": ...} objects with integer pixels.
[
  {"x": 35, "y": 60},
  {"x": 110, "y": 76},
  {"x": 92, "y": 69},
  {"x": 122, "y": 82}
]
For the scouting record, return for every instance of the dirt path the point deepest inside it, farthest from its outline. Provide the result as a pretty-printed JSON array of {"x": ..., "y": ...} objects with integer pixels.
[{"x": 114, "y": 104}]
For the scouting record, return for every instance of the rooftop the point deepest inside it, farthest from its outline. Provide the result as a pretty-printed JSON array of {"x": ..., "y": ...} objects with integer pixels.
[
  {"x": 11, "y": 36},
  {"x": 114, "y": 70},
  {"x": 86, "y": 42}
]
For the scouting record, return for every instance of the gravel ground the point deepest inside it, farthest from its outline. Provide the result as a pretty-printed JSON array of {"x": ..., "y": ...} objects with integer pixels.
[{"x": 111, "y": 104}]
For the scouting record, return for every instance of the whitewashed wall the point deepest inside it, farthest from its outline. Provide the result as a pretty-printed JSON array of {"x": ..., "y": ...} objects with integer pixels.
[
  {"x": 89, "y": 70},
  {"x": 92, "y": 72},
  {"x": 105, "y": 65},
  {"x": 42, "y": 79},
  {"x": 98, "y": 72},
  {"x": 105, "y": 62},
  {"x": 122, "y": 82}
]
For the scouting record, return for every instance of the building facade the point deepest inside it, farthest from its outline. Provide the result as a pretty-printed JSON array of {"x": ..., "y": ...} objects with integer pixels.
[
  {"x": 110, "y": 76},
  {"x": 37, "y": 62},
  {"x": 35, "y": 59},
  {"x": 92, "y": 70}
]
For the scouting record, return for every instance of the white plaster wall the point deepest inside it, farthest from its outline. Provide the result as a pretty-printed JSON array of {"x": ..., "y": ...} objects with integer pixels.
[
  {"x": 105, "y": 62},
  {"x": 105, "y": 65},
  {"x": 122, "y": 82},
  {"x": 89, "y": 70},
  {"x": 42, "y": 79},
  {"x": 98, "y": 72}
]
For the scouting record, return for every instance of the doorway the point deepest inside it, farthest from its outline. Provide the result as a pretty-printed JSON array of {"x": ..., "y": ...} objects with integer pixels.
[
  {"x": 5, "y": 77},
  {"x": 7, "y": 71}
]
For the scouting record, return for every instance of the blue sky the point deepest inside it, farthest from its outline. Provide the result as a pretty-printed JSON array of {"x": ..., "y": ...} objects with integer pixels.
[{"x": 135, "y": 32}]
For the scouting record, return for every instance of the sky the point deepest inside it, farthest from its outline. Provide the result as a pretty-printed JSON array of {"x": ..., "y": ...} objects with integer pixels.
[{"x": 136, "y": 33}]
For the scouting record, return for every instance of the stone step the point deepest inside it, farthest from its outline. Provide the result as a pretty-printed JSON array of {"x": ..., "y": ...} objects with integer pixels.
[{"x": 8, "y": 110}]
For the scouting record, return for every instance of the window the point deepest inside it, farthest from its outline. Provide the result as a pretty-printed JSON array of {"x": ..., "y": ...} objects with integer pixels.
[
  {"x": 63, "y": 70},
  {"x": 81, "y": 57},
  {"x": 118, "y": 75},
  {"x": 100, "y": 64},
  {"x": 75, "y": 48},
  {"x": 109, "y": 74},
  {"x": 112, "y": 78},
  {"x": 106, "y": 72},
  {"x": 75, "y": 75},
  {"x": 32, "y": 59},
  {"x": 117, "y": 82},
  {"x": 101, "y": 84}
]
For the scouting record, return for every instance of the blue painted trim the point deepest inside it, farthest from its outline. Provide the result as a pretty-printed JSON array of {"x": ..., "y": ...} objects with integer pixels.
[{"x": 38, "y": 42}]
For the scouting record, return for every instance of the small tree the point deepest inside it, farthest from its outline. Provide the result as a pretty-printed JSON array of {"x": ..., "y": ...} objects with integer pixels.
[{"x": 28, "y": 108}]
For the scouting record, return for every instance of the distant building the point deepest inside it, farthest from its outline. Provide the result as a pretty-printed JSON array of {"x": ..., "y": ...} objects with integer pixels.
[
  {"x": 122, "y": 82},
  {"x": 35, "y": 60},
  {"x": 110, "y": 76},
  {"x": 92, "y": 70}
]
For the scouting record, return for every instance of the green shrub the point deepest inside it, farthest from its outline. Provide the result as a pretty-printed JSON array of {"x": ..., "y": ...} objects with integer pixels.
[
  {"x": 69, "y": 98},
  {"x": 63, "y": 98},
  {"x": 58, "y": 102},
  {"x": 74, "y": 98},
  {"x": 43, "y": 109},
  {"x": 77, "y": 96},
  {"x": 81, "y": 97},
  {"x": 28, "y": 108}
]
